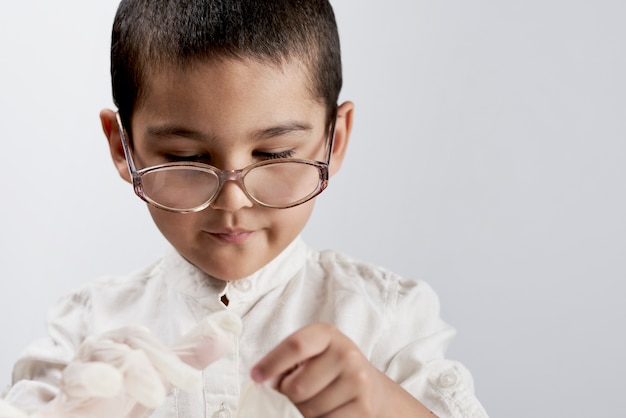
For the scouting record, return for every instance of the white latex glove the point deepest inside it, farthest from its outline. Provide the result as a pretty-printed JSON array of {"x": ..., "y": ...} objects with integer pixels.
[
  {"x": 259, "y": 400},
  {"x": 127, "y": 373}
]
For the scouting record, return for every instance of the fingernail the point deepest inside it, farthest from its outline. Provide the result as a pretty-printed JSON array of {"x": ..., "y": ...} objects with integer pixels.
[{"x": 256, "y": 375}]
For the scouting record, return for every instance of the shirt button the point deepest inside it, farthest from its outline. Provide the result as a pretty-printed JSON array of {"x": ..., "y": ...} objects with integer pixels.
[
  {"x": 243, "y": 285},
  {"x": 448, "y": 379},
  {"x": 223, "y": 412}
]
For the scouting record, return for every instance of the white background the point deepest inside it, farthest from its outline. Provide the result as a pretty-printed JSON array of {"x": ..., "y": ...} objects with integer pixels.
[{"x": 488, "y": 158}]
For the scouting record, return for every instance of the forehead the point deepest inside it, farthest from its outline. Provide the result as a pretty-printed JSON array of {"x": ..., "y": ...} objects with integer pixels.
[{"x": 226, "y": 88}]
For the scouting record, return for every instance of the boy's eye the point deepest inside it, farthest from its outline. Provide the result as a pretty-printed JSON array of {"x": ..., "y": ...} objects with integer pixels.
[
  {"x": 206, "y": 158},
  {"x": 202, "y": 158},
  {"x": 275, "y": 155}
]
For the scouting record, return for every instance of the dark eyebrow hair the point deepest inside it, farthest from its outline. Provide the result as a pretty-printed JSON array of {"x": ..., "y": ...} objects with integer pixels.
[
  {"x": 272, "y": 132},
  {"x": 282, "y": 129},
  {"x": 176, "y": 130}
]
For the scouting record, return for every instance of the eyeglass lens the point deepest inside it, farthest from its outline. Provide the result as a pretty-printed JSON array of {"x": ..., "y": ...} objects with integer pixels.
[{"x": 277, "y": 184}]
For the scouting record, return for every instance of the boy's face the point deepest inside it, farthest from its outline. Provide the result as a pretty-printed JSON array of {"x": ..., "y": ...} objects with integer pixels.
[{"x": 229, "y": 114}]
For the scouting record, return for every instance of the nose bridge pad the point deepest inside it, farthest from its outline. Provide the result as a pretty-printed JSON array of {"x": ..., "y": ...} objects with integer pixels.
[
  {"x": 231, "y": 175},
  {"x": 235, "y": 176}
]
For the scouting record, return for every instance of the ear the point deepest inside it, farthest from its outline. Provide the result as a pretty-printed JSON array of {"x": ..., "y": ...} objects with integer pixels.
[
  {"x": 343, "y": 128},
  {"x": 112, "y": 132}
]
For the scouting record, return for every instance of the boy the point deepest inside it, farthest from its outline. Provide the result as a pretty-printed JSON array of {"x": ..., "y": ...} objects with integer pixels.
[{"x": 227, "y": 126}]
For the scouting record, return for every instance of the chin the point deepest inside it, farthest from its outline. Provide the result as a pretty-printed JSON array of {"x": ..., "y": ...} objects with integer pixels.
[{"x": 229, "y": 274}]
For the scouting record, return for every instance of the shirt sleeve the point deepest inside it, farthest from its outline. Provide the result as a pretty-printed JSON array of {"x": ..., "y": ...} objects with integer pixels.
[
  {"x": 415, "y": 341},
  {"x": 37, "y": 372}
]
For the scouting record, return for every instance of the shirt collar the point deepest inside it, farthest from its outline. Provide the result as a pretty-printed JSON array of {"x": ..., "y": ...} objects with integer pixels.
[{"x": 190, "y": 280}]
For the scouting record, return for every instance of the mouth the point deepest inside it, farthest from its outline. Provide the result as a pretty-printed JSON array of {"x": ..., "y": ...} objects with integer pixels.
[{"x": 232, "y": 237}]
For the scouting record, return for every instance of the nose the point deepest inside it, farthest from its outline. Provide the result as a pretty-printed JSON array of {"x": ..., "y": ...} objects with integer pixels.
[{"x": 231, "y": 197}]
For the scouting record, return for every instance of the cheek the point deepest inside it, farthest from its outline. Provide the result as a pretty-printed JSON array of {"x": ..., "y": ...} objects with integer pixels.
[
  {"x": 172, "y": 225},
  {"x": 290, "y": 222}
]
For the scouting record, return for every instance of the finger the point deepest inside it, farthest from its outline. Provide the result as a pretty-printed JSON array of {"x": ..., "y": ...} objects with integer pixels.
[
  {"x": 360, "y": 391},
  {"x": 347, "y": 410},
  {"x": 341, "y": 361},
  {"x": 311, "y": 377},
  {"x": 307, "y": 343},
  {"x": 209, "y": 340},
  {"x": 332, "y": 397}
]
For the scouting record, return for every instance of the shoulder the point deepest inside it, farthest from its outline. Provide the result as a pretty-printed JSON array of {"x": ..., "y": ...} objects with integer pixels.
[
  {"x": 339, "y": 263},
  {"x": 394, "y": 312},
  {"x": 113, "y": 286},
  {"x": 376, "y": 280},
  {"x": 90, "y": 306}
]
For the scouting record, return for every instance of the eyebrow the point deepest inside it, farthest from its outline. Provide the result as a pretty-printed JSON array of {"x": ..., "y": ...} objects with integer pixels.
[
  {"x": 176, "y": 130},
  {"x": 267, "y": 133},
  {"x": 282, "y": 129}
]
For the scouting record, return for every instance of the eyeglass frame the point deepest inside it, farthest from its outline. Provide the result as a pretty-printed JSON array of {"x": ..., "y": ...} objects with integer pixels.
[{"x": 223, "y": 176}]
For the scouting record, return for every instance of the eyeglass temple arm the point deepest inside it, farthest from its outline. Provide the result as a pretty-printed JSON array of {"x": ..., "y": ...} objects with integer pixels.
[
  {"x": 125, "y": 145},
  {"x": 331, "y": 133}
]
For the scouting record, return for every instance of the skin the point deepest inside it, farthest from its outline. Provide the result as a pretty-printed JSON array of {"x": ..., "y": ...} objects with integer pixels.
[
  {"x": 232, "y": 113},
  {"x": 332, "y": 378}
]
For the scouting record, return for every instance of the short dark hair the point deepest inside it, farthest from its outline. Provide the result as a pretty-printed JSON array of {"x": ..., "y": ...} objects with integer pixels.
[{"x": 150, "y": 35}]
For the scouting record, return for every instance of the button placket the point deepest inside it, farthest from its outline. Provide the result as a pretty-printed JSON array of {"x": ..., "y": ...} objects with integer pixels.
[
  {"x": 243, "y": 285},
  {"x": 222, "y": 412},
  {"x": 240, "y": 292}
]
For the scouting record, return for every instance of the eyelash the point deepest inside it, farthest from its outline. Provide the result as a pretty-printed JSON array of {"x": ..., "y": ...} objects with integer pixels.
[
  {"x": 276, "y": 155},
  {"x": 204, "y": 158},
  {"x": 187, "y": 158}
]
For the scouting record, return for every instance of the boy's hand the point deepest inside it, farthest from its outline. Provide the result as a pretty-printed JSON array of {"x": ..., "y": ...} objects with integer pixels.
[{"x": 325, "y": 375}]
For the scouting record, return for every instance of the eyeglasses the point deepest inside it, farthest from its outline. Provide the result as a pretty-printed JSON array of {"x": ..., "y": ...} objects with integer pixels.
[{"x": 186, "y": 187}]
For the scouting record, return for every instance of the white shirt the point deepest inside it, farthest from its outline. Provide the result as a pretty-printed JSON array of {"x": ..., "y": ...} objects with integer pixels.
[{"x": 394, "y": 321}]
